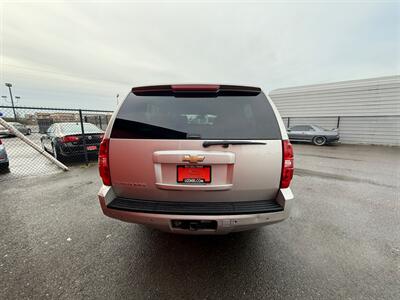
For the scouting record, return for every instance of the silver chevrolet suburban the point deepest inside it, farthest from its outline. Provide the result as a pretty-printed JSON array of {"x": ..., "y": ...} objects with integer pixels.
[{"x": 196, "y": 159}]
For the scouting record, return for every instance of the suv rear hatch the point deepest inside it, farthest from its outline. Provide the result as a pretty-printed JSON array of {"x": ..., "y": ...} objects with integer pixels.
[{"x": 223, "y": 142}]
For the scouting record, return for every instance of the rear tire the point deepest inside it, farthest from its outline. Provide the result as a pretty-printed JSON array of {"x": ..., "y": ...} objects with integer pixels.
[
  {"x": 5, "y": 168},
  {"x": 56, "y": 153},
  {"x": 44, "y": 147},
  {"x": 319, "y": 140}
]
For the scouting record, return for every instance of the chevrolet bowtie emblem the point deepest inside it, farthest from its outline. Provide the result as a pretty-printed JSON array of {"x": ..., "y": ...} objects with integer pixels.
[{"x": 193, "y": 158}]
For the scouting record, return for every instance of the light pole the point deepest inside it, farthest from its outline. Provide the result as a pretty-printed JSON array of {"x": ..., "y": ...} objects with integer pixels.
[
  {"x": 9, "y": 85},
  {"x": 117, "y": 98}
]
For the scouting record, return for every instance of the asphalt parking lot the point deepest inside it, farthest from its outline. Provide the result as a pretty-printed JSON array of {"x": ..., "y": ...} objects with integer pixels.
[{"x": 341, "y": 241}]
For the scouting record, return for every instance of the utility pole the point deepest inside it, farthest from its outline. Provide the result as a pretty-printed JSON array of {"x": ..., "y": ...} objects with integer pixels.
[
  {"x": 117, "y": 98},
  {"x": 9, "y": 85}
]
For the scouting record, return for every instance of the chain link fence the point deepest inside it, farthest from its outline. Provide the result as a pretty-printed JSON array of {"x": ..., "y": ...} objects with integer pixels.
[{"x": 72, "y": 136}]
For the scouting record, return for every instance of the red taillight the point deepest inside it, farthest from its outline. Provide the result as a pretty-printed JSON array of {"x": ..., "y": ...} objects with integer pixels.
[
  {"x": 287, "y": 165},
  {"x": 69, "y": 139},
  {"x": 195, "y": 87},
  {"x": 104, "y": 166}
]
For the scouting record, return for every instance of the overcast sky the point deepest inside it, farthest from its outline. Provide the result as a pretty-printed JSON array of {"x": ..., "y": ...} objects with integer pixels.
[{"x": 82, "y": 54}]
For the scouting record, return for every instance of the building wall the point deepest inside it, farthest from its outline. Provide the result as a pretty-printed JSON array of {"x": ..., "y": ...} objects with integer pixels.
[{"x": 369, "y": 109}]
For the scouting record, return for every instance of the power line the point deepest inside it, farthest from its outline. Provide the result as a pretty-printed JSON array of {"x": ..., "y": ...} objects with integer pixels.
[
  {"x": 45, "y": 91},
  {"x": 62, "y": 73}
]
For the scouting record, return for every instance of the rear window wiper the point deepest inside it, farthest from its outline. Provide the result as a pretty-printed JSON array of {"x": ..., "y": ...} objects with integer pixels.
[{"x": 226, "y": 143}]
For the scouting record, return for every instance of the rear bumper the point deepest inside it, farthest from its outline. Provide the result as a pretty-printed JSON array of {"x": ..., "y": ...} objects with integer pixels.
[
  {"x": 332, "y": 139},
  {"x": 3, "y": 156},
  {"x": 4, "y": 164},
  {"x": 226, "y": 222},
  {"x": 74, "y": 150}
]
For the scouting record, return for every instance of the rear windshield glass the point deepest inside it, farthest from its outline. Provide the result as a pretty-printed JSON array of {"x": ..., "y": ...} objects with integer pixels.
[
  {"x": 75, "y": 128},
  {"x": 319, "y": 127},
  {"x": 223, "y": 117}
]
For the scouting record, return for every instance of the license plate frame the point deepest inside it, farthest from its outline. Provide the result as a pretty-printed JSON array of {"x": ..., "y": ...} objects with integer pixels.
[
  {"x": 91, "y": 148},
  {"x": 193, "y": 178}
]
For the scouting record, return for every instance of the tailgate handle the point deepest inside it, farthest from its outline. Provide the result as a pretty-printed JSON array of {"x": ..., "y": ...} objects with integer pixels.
[{"x": 226, "y": 144}]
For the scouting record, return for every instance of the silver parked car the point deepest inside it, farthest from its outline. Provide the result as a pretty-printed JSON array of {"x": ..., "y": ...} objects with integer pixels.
[
  {"x": 3, "y": 158},
  {"x": 20, "y": 127},
  {"x": 196, "y": 159},
  {"x": 313, "y": 134}
]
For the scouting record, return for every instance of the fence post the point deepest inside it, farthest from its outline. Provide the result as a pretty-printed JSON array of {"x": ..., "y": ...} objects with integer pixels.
[
  {"x": 100, "y": 125},
  {"x": 338, "y": 122},
  {"x": 83, "y": 138},
  {"x": 288, "y": 122}
]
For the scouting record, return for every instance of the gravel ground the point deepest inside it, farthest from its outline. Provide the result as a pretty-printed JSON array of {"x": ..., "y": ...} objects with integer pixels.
[{"x": 341, "y": 241}]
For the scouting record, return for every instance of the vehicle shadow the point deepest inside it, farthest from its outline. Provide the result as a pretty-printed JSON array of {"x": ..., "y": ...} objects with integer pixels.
[
  {"x": 79, "y": 160},
  {"x": 184, "y": 266}
]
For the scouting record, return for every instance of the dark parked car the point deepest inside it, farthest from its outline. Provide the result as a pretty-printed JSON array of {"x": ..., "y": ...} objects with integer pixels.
[
  {"x": 20, "y": 127},
  {"x": 313, "y": 134},
  {"x": 65, "y": 139}
]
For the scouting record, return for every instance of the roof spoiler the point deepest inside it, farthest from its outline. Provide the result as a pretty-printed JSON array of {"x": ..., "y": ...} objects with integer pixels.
[{"x": 196, "y": 90}]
